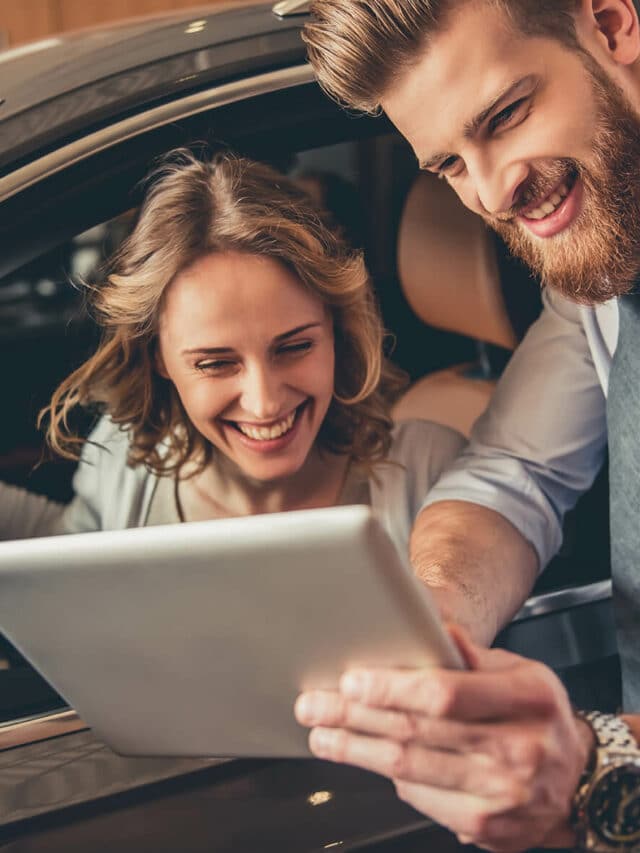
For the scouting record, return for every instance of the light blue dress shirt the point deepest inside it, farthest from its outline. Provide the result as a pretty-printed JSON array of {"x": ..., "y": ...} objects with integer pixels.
[{"x": 542, "y": 440}]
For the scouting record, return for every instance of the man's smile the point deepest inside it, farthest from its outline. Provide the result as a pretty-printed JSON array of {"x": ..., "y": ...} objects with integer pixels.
[
  {"x": 545, "y": 205},
  {"x": 556, "y": 210}
]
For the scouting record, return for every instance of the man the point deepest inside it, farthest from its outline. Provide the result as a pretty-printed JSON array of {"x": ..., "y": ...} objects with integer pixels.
[{"x": 530, "y": 109}]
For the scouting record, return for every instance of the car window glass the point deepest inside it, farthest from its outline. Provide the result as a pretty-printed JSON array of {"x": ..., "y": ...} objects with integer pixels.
[{"x": 46, "y": 331}]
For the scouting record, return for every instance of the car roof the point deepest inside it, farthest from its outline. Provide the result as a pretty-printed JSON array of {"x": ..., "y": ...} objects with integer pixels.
[{"x": 58, "y": 87}]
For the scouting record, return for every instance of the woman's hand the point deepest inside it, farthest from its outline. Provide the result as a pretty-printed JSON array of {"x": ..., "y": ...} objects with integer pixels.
[{"x": 494, "y": 753}]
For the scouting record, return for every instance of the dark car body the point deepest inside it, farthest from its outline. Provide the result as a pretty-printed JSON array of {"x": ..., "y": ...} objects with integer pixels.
[{"x": 82, "y": 120}]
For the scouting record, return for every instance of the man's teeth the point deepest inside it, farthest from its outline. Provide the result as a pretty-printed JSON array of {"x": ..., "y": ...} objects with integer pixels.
[
  {"x": 268, "y": 433},
  {"x": 549, "y": 205}
]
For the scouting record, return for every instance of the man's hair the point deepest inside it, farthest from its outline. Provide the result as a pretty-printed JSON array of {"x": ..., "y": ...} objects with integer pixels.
[
  {"x": 193, "y": 208},
  {"x": 358, "y": 48}
]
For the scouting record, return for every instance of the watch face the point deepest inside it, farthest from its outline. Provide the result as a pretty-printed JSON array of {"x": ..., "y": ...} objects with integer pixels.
[{"x": 614, "y": 805}]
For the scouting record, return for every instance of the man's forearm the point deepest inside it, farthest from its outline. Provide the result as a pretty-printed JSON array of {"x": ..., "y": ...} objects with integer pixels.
[{"x": 478, "y": 566}]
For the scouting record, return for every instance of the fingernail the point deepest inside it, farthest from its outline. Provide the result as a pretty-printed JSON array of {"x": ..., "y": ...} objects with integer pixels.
[
  {"x": 320, "y": 742},
  {"x": 305, "y": 709},
  {"x": 352, "y": 684}
]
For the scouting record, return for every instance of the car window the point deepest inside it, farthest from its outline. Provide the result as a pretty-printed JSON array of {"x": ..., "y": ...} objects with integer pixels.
[{"x": 46, "y": 331}]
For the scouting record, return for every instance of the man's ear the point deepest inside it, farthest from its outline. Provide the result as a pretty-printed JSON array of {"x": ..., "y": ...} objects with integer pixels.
[{"x": 616, "y": 21}]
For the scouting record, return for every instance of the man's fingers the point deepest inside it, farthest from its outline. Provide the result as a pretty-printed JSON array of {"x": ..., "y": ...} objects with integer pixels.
[
  {"x": 474, "y": 819},
  {"x": 478, "y": 695},
  {"x": 329, "y": 709},
  {"x": 472, "y": 773}
]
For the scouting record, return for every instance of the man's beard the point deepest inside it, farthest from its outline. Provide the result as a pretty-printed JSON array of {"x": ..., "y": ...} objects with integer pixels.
[{"x": 598, "y": 256}]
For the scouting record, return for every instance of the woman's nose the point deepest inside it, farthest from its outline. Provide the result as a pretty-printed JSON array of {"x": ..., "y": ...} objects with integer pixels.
[{"x": 261, "y": 396}]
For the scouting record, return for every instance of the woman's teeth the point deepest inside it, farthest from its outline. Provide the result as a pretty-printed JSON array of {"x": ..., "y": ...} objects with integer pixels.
[
  {"x": 268, "y": 433},
  {"x": 549, "y": 205}
]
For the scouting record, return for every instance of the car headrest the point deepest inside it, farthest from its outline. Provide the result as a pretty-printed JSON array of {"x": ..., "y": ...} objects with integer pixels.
[{"x": 447, "y": 265}]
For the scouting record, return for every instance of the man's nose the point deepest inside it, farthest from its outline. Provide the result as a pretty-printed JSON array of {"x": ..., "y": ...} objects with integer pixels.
[
  {"x": 497, "y": 188},
  {"x": 261, "y": 393}
]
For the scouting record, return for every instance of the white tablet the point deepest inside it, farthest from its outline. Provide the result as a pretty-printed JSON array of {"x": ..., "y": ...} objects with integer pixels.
[{"x": 195, "y": 639}]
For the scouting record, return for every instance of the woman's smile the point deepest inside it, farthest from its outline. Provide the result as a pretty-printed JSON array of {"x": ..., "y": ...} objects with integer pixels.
[{"x": 270, "y": 437}]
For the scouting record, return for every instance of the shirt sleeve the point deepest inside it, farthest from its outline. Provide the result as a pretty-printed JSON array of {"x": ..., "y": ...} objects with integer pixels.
[
  {"x": 24, "y": 515},
  {"x": 542, "y": 440}
]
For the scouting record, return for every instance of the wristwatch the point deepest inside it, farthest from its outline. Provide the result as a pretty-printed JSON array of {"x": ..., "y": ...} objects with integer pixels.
[{"x": 606, "y": 805}]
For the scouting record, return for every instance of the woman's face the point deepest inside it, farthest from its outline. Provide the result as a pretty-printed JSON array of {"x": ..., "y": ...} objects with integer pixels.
[{"x": 250, "y": 353}]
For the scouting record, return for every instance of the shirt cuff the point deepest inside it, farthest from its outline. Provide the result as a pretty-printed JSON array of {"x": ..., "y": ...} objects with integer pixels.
[{"x": 523, "y": 504}]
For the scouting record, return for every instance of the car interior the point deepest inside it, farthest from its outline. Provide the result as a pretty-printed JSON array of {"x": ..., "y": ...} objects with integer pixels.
[{"x": 453, "y": 300}]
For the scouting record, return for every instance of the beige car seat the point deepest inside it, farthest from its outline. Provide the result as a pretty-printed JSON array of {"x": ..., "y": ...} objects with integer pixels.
[{"x": 448, "y": 270}]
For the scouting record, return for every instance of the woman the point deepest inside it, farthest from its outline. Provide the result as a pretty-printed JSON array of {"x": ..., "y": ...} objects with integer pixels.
[{"x": 241, "y": 367}]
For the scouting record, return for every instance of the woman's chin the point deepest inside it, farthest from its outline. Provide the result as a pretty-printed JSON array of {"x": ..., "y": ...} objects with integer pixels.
[{"x": 273, "y": 471}]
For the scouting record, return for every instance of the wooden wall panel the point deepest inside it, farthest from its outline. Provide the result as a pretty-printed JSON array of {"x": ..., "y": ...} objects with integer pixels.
[
  {"x": 85, "y": 13},
  {"x": 26, "y": 20}
]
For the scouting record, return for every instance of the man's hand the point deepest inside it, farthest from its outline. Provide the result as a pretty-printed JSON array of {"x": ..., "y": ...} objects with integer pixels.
[{"x": 495, "y": 753}]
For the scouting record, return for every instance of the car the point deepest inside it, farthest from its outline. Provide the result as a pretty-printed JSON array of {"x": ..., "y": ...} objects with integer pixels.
[{"x": 83, "y": 118}]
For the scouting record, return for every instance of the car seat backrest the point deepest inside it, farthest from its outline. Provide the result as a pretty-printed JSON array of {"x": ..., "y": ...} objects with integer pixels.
[{"x": 447, "y": 265}]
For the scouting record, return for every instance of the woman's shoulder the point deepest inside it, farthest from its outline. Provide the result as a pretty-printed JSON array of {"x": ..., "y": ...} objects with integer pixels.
[
  {"x": 108, "y": 435},
  {"x": 421, "y": 438},
  {"x": 106, "y": 453},
  {"x": 420, "y": 452},
  {"x": 108, "y": 491}
]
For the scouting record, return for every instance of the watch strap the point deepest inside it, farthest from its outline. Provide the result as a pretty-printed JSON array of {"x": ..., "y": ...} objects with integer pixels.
[
  {"x": 611, "y": 732},
  {"x": 613, "y": 737}
]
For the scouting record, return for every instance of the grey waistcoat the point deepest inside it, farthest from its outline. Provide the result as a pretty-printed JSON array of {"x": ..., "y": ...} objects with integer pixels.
[{"x": 623, "y": 422}]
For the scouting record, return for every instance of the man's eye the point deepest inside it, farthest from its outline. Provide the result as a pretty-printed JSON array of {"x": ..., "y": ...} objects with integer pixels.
[
  {"x": 450, "y": 167},
  {"x": 508, "y": 115},
  {"x": 296, "y": 348}
]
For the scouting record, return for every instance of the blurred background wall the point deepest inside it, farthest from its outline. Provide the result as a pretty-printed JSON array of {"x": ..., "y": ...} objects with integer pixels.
[{"x": 25, "y": 20}]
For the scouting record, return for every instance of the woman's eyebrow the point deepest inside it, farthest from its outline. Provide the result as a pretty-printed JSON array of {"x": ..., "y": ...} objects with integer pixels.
[
  {"x": 295, "y": 331},
  {"x": 225, "y": 350},
  {"x": 207, "y": 351}
]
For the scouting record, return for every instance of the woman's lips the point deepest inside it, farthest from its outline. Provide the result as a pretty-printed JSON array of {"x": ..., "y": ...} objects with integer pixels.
[{"x": 561, "y": 218}]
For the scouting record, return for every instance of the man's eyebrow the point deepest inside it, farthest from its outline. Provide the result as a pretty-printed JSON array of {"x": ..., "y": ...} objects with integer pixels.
[{"x": 472, "y": 127}]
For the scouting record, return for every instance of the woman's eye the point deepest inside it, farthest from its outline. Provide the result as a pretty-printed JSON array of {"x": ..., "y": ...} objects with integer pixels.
[
  {"x": 508, "y": 115},
  {"x": 295, "y": 349},
  {"x": 214, "y": 365}
]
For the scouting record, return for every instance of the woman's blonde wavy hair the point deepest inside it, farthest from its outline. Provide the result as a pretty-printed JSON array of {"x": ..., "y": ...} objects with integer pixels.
[{"x": 191, "y": 208}]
